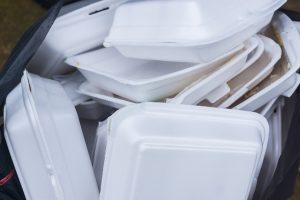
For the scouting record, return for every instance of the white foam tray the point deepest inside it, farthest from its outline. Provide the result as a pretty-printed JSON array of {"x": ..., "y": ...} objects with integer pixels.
[
  {"x": 213, "y": 86},
  {"x": 45, "y": 141},
  {"x": 252, "y": 76},
  {"x": 199, "y": 140},
  {"x": 74, "y": 32},
  {"x": 187, "y": 31},
  {"x": 141, "y": 80},
  {"x": 287, "y": 83}
]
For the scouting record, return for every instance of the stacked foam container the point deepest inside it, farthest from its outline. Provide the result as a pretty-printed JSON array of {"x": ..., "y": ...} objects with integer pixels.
[{"x": 182, "y": 75}]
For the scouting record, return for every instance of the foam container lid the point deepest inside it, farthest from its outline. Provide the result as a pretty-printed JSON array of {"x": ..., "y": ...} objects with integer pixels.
[
  {"x": 199, "y": 140},
  {"x": 42, "y": 123}
]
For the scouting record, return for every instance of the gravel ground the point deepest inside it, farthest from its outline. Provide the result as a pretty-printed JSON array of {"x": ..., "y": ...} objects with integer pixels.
[{"x": 17, "y": 15}]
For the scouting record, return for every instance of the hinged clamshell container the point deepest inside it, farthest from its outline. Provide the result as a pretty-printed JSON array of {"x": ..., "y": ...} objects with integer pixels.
[
  {"x": 46, "y": 143},
  {"x": 187, "y": 31},
  {"x": 144, "y": 80},
  {"x": 179, "y": 152}
]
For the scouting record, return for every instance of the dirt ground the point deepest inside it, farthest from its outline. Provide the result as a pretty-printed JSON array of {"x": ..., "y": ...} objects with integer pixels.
[{"x": 17, "y": 15}]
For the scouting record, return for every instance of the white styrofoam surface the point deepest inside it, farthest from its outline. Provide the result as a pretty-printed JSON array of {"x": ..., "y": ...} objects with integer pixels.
[
  {"x": 252, "y": 76},
  {"x": 225, "y": 89},
  {"x": 72, "y": 33},
  {"x": 99, "y": 150},
  {"x": 46, "y": 143},
  {"x": 166, "y": 151},
  {"x": 186, "y": 31},
  {"x": 70, "y": 83},
  {"x": 287, "y": 83},
  {"x": 103, "y": 97},
  {"x": 205, "y": 85},
  {"x": 142, "y": 80}
]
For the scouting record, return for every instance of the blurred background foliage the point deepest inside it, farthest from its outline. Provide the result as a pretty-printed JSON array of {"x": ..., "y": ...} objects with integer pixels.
[{"x": 15, "y": 17}]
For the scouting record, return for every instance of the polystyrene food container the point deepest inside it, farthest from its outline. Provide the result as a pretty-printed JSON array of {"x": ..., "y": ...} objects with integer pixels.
[
  {"x": 103, "y": 97},
  {"x": 252, "y": 76},
  {"x": 213, "y": 86},
  {"x": 45, "y": 141},
  {"x": 187, "y": 31},
  {"x": 183, "y": 162},
  {"x": 283, "y": 80},
  {"x": 73, "y": 32},
  {"x": 141, "y": 80}
]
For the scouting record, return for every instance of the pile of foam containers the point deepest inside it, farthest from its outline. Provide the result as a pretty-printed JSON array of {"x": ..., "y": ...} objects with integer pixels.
[
  {"x": 182, "y": 75},
  {"x": 190, "y": 56}
]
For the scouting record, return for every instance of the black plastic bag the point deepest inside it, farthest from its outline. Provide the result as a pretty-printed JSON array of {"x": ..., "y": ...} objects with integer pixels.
[{"x": 50, "y": 3}]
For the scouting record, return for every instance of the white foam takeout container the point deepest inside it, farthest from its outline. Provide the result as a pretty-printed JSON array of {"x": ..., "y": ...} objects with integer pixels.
[
  {"x": 199, "y": 140},
  {"x": 288, "y": 82},
  {"x": 187, "y": 31},
  {"x": 142, "y": 80},
  {"x": 252, "y": 76},
  {"x": 213, "y": 86},
  {"x": 46, "y": 143}
]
